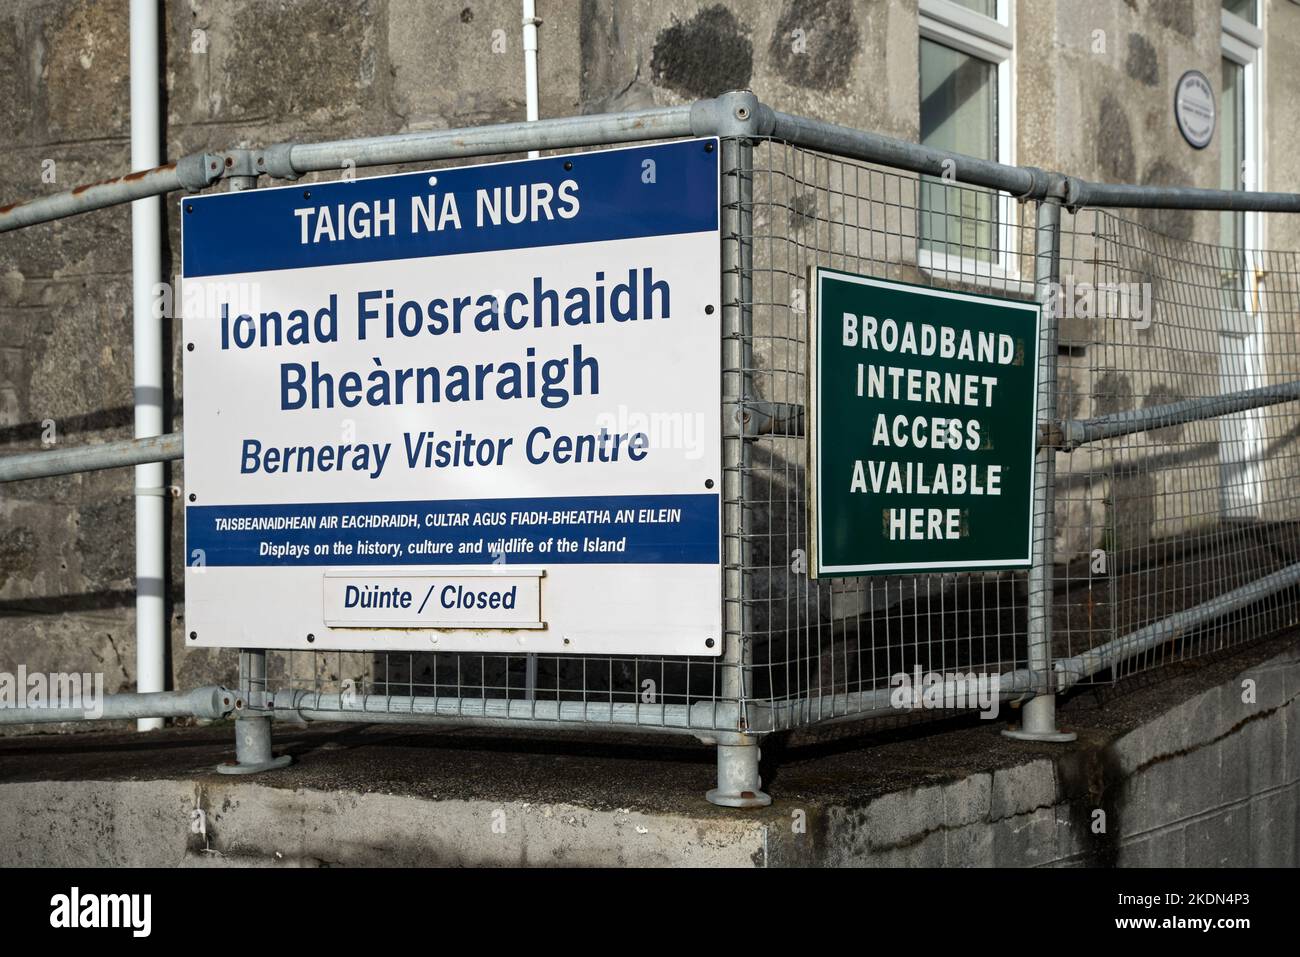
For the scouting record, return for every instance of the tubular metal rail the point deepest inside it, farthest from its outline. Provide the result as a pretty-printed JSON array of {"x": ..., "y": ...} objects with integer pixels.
[{"x": 795, "y": 192}]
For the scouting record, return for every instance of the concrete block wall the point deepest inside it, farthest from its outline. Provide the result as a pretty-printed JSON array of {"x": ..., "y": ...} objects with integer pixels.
[
  {"x": 259, "y": 72},
  {"x": 1215, "y": 781},
  {"x": 1211, "y": 782}
]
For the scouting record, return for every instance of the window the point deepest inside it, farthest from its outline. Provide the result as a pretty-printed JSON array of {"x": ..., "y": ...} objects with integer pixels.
[
  {"x": 966, "y": 96},
  {"x": 1232, "y": 150},
  {"x": 1242, "y": 9},
  {"x": 1238, "y": 123},
  {"x": 958, "y": 113},
  {"x": 1241, "y": 357}
]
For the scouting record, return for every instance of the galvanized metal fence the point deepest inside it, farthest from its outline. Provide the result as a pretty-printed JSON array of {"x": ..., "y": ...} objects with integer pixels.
[{"x": 1166, "y": 494}]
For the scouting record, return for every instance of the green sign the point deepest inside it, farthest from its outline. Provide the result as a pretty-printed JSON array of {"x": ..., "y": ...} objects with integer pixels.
[{"x": 922, "y": 407}]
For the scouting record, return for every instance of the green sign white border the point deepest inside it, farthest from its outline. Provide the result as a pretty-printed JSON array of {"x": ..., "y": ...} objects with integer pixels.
[{"x": 813, "y": 480}]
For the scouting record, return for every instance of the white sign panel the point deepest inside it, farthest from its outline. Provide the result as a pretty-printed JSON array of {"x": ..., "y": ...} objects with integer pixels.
[{"x": 472, "y": 409}]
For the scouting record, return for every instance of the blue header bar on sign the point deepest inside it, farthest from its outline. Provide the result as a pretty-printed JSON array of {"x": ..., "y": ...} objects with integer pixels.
[
  {"x": 602, "y": 529},
  {"x": 557, "y": 200}
]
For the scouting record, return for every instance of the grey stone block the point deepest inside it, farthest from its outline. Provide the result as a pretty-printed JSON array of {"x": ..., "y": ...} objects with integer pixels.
[
  {"x": 1237, "y": 762},
  {"x": 1025, "y": 840},
  {"x": 1274, "y": 827},
  {"x": 904, "y": 816},
  {"x": 970, "y": 846},
  {"x": 470, "y": 54},
  {"x": 1163, "y": 848},
  {"x": 1222, "y": 840},
  {"x": 1195, "y": 786},
  {"x": 1075, "y": 838},
  {"x": 1169, "y": 847},
  {"x": 1022, "y": 789},
  {"x": 1134, "y": 749},
  {"x": 85, "y": 70},
  {"x": 1136, "y": 853},
  {"x": 1289, "y": 665},
  {"x": 1186, "y": 725},
  {"x": 929, "y": 851},
  {"x": 1134, "y": 814},
  {"x": 967, "y": 801},
  {"x": 1269, "y": 690},
  {"x": 846, "y": 841},
  {"x": 282, "y": 66},
  {"x": 1264, "y": 742},
  {"x": 1290, "y": 719},
  {"x": 15, "y": 85},
  {"x": 1212, "y": 715}
]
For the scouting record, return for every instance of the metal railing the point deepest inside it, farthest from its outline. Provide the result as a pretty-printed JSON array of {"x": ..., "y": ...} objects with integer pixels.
[{"x": 1166, "y": 495}]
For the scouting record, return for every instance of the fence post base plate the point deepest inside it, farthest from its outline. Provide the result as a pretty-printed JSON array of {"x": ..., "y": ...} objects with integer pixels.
[
  {"x": 253, "y": 748},
  {"x": 1038, "y": 722},
  {"x": 1054, "y": 737},
  {"x": 282, "y": 761}
]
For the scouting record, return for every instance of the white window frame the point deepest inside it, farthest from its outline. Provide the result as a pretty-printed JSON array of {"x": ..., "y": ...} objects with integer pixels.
[
  {"x": 1242, "y": 360},
  {"x": 1243, "y": 43},
  {"x": 991, "y": 39}
]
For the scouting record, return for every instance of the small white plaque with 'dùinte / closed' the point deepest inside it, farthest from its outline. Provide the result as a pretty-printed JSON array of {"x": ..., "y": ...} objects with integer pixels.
[{"x": 465, "y": 598}]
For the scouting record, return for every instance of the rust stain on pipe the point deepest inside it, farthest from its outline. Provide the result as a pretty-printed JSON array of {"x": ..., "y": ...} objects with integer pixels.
[
  {"x": 131, "y": 177},
  {"x": 128, "y": 178}
]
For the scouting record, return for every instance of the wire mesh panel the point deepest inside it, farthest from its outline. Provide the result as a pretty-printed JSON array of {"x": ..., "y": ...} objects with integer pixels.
[
  {"x": 832, "y": 648},
  {"x": 1154, "y": 523},
  {"x": 652, "y": 693},
  {"x": 1147, "y": 526}
]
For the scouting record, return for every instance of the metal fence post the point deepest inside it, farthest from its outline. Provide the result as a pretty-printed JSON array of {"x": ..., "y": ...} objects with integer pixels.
[
  {"x": 1038, "y": 715},
  {"x": 739, "y": 784},
  {"x": 252, "y": 734}
]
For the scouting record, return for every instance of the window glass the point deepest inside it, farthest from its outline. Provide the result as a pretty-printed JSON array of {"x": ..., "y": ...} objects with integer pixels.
[
  {"x": 1242, "y": 8},
  {"x": 987, "y": 7},
  {"x": 958, "y": 113},
  {"x": 1232, "y": 157}
]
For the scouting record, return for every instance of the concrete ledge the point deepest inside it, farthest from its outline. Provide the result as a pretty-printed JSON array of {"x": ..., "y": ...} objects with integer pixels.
[
  {"x": 153, "y": 823},
  {"x": 1182, "y": 771}
]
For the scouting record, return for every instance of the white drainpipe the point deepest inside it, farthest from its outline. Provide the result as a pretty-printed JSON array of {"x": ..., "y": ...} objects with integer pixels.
[
  {"x": 530, "y": 62},
  {"x": 530, "y": 98},
  {"x": 146, "y": 273}
]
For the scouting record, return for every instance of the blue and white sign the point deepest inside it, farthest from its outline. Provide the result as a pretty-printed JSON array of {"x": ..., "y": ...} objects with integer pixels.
[{"x": 471, "y": 409}]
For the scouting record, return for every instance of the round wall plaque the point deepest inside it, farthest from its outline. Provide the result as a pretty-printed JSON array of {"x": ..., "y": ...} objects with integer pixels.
[{"x": 1194, "y": 108}]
